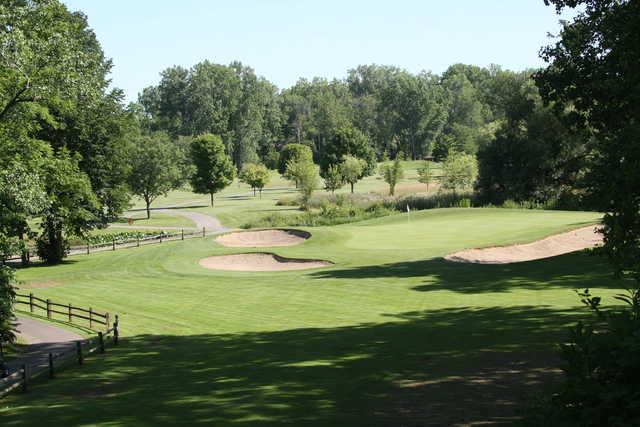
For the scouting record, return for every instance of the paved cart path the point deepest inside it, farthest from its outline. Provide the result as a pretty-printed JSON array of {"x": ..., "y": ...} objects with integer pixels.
[
  {"x": 41, "y": 338},
  {"x": 210, "y": 223}
]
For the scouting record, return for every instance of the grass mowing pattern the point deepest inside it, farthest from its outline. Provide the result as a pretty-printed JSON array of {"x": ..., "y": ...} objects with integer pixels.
[{"x": 391, "y": 334}]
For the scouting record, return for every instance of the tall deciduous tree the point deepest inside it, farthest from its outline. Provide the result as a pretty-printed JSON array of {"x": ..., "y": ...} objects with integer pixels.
[
  {"x": 214, "y": 169},
  {"x": 348, "y": 141},
  {"x": 155, "y": 168},
  {"x": 72, "y": 208}
]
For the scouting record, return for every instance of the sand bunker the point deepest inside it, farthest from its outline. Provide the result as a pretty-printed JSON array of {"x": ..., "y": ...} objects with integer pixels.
[
  {"x": 260, "y": 262},
  {"x": 263, "y": 238},
  {"x": 558, "y": 244}
]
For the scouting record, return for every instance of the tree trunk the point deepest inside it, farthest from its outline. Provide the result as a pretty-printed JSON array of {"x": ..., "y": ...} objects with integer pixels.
[
  {"x": 261, "y": 192},
  {"x": 211, "y": 194},
  {"x": 254, "y": 192},
  {"x": 24, "y": 253},
  {"x": 351, "y": 187},
  {"x": 148, "y": 208}
]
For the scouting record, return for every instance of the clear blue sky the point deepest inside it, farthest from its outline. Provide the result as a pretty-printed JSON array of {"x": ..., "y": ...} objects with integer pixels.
[{"x": 284, "y": 40}]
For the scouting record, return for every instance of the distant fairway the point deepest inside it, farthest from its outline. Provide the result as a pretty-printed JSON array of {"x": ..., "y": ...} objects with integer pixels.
[{"x": 389, "y": 334}]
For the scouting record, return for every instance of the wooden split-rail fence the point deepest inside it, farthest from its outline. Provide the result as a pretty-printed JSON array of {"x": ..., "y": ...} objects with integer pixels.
[{"x": 109, "y": 332}]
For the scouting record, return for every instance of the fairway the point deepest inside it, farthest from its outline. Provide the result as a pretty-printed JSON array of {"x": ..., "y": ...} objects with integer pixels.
[{"x": 391, "y": 331}]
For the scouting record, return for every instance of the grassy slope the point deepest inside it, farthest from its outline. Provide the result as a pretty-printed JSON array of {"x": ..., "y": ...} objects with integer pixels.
[{"x": 382, "y": 334}]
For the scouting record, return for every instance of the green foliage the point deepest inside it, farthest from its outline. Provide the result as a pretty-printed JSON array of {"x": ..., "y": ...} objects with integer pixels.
[
  {"x": 72, "y": 208},
  {"x": 601, "y": 367},
  {"x": 214, "y": 169},
  {"x": 425, "y": 174},
  {"x": 333, "y": 179},
  {"x": 459, "y": 172},
  {"x": 347, "y": 141},
  {"x": 305, "y": 175},
  {"x": 256, "y": 176},
  {"x": 327, "y": 215},
  {"x": 392, "y": 173},
  {"x": 352, "y": 169},
  {"x": 155, "y": 168},
  {"x": 293, "y": 152},
  {"x": 7, "y": 299}
]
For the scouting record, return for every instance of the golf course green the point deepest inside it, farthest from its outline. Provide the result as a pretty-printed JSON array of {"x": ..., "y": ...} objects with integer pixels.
[{"x": 389, "y": 333}]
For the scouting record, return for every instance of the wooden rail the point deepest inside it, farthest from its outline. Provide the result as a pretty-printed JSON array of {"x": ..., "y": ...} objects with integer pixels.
[
  {"x": 70, "y": 312},
  {"x": 22, "y": 377}
]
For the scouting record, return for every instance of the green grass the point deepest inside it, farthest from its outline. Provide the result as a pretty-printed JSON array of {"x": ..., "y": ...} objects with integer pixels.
[
  {"x": 157, "y": 220},
  {"x": 390, "y": 335}
]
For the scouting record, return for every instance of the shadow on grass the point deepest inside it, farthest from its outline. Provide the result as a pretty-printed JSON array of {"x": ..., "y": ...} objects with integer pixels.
[
  {"x": 577, "y": 270},
  {"x": 421, "y": 368}
]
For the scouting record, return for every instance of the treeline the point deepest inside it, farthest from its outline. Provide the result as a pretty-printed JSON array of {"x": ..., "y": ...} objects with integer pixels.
[{"x": 417, "y": 114}]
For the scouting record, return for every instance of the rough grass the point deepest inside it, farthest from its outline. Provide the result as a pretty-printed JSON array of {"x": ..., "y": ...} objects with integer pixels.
[{"x": 390, "y": 335}]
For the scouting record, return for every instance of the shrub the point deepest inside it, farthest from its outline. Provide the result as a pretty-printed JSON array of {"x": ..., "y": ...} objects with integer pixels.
[{"x": 601, "y": 367}]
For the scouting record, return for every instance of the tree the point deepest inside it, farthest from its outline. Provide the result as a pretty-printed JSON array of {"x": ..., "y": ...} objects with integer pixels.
[
  {"x": 72, "y": 208},
  {"x": 593, "y": 74},
  {"x": 256, "y": 176},
  {"x": 7, "y": 300},
  {"x": 425, "y": 174},
  {"x": 293, "y": 152},
  {"x": 352, "y": 169},
  {"x": 214, "y": 169},
  {"x": 54, "y": 88},
  {"x": 305, "y": 173},
  {"x": 392, "y": 173},
  {"x": 347, "y": 141},
  {"x": 155, "y": 168},
  {"x": 459, "y": 171},
  {"x": 333, "y": 179}
]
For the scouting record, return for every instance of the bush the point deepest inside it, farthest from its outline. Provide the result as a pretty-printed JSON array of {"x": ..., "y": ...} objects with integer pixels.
[
  {"x": 329, "y": 214},
  {"x": 435, "y": 201},
  {"x": 601, "y": 364}
]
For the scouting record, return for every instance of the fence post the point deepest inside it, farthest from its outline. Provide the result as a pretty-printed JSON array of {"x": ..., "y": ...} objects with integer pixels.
[
  {"x": 182, "y": 233},
  {"x": 88, "y": 248},
  {"x": 203, "y": 232},
  {"x": 101, "y": 342},
  {"x": 137, "y": 240},
  {"x": 31, "y": 301},
  {"x": 70, "y": 315},
  {"x": 116, "y": 332},
  {"x": 90, "y": 318},
  {"x": 107, "y": 320},
  {"x": 50, "y": 365},
  {"x": 25, "y": 377},
  {"x": 161, "y": 237},
  {"x": 113, "y": 244},
  {"x": 48, "y": 308},
  {"x": 79, "y": 352}
]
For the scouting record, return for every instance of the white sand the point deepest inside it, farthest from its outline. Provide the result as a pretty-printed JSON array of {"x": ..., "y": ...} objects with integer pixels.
[
  {"x": 559, "y": 244},
  {"x": 263, "y": 238},
  {"x": 259, "y": 262}
]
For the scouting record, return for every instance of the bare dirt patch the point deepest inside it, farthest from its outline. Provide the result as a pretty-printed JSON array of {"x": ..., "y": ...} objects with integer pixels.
[
  {"x": 40, "y": 284},
  {"x": 259, "y": 261},
  {"x": 263, "y": 238},
  {"x": 571, "y": 241}
]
